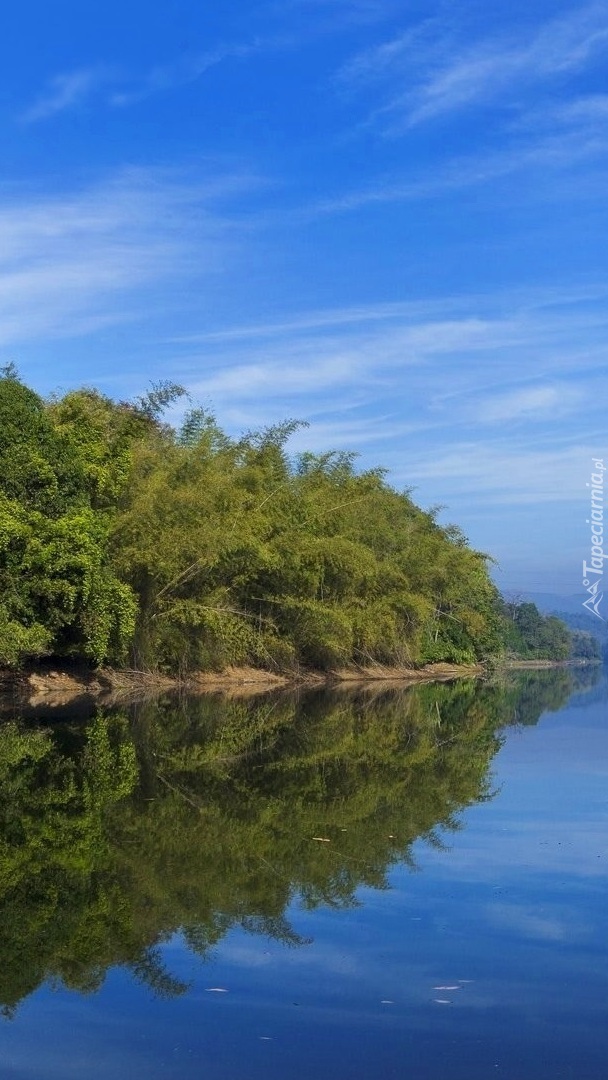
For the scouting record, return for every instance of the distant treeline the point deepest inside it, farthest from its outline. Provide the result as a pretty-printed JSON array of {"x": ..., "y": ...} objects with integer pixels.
[
  {"x": 124, "y": 540},
  {"x": 528, "y": 635},
  {"x": 589, "y": 635}
]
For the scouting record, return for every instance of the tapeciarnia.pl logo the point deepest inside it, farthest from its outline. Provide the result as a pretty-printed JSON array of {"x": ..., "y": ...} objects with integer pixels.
[{"x": 593, "y": 571}]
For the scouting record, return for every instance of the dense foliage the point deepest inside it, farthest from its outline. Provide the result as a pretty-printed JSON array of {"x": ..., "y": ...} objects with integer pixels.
[
  {"x": 589, "y": 636},
  {"x": 123, "y": 539},
  {"x": 533, "y": 636}
]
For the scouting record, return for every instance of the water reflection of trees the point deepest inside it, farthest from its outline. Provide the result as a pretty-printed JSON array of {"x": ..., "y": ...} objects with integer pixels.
[{"x": 201, "y": 815}]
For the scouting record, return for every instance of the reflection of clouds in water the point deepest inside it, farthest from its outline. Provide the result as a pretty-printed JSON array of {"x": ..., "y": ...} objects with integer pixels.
[
  {"x": 526, "y": 922},
  {"x": 523, "y": 848},
  {"x": 505, "y": 907},
  {"x": 549, "y": 814},
  {"x": 559, "y": 746},
  {"x": 503, "y": 983},
  {"x": 358, "y": 960},
  {"x": 248, "y": 953},
  {"x": 245, "y": 955}
]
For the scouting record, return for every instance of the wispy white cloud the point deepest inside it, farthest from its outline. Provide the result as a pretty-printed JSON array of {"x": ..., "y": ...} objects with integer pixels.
[
  {"x": 339, "y": 357},
  {"x": 590, "y": 109},
  {"x": 562, "y": 330},
  {"x": 430, "y": 76},
  {"x": 414, "y": 46},
  {"x": 577, "y": 117},
  {"x": 287, "y": 25},
  {"x": 541, "y": 156},
  {"x": 527, "y": 301},
  {"x": 549, "y": 400},
  {"x": 490, "y": 69},
  {"x": 187, "y": 69},
  {"x": 66, "y": 91},
  {"x": 455, "y": 406},
  {"x": 111, "y": 87},
  {"x": 73, "y": 262},
  {"x": 502, "y": 473},
  {"x": 335, "y": 14},
  {"x": 314, "y": 320}
]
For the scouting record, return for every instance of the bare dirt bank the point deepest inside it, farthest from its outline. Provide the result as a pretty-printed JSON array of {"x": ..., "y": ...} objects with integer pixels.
[{"x": 57, "y": 686}]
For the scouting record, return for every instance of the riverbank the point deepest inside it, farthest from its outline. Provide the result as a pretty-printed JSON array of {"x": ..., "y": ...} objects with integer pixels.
[{"x": 59, "y": 686}]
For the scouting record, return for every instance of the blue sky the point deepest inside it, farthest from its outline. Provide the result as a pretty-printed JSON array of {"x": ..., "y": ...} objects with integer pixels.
[{"x": 387, "y": 219}]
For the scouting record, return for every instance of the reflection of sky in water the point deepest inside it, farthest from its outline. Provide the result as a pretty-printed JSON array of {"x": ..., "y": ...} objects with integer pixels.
[{"x": 512, "y": 913}]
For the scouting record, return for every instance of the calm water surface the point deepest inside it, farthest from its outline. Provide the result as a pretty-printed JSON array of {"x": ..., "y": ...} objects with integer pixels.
[{"x": 366, "y": 884}]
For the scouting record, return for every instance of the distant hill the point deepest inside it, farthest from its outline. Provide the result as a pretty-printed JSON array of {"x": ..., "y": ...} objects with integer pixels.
[
  {"x": 551, "y": 603},
  {"x": 571, "y": 611},
  {"x": 582, "y": 621}
]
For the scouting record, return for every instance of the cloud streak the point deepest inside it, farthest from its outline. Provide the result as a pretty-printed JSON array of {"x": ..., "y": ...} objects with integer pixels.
[
  {"x": 432, "y": 77},
  {"x": 497, "y": 374},
  {"x": 66, "y": 91},
  {"x": 89, "y": 258},
  {"x": 541, "y": 156},
  {"x": 187, "y": 69},
  {"x": 71, "y": 90},
  {"x": 544, "y": 401}
]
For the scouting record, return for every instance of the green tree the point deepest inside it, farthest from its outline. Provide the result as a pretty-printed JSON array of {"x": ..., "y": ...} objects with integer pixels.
[
  {"x": 531, "y": 636},
  {"x": 190, "y": 550},
  {"x": 59, "y": 593}
]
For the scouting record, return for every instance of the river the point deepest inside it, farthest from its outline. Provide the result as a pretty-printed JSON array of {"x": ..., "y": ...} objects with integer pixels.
[{"x": 340, "y": 885}]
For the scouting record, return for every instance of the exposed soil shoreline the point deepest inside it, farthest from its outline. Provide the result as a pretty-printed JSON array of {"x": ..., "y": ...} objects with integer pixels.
[
  {"x": 56, "y": 686},
  {"x": 59, "y": 686}
]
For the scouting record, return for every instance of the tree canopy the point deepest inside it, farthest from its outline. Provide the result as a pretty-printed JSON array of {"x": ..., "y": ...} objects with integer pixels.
[{"x": 124, "y": 539}]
